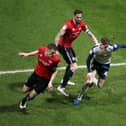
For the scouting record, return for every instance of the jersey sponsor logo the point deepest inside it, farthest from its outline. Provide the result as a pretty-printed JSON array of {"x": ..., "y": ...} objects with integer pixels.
[
  {"x": 46, "y": 63},
  {"x": 75, "y": 33},
  {"x": 43, "y": 62}
]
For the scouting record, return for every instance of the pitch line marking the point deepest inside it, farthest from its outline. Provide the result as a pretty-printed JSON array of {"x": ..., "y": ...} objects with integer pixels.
[{"x": 59, "y": 68}]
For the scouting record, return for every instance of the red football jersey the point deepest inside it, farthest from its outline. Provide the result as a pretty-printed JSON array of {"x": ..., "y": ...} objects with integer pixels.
[
  {"x": 72, "y": 31},
  {"x": 46, "y": 64}
]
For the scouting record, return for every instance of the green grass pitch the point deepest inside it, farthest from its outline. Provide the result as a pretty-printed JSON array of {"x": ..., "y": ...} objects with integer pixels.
[{"x": 27, "y": 24}]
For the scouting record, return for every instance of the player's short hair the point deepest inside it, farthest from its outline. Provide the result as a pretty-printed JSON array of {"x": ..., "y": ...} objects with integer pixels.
[
  {"x": 52, "y": 46},
  {"x": 105, "y": 41},
  {"x": 77, "y": 11}
]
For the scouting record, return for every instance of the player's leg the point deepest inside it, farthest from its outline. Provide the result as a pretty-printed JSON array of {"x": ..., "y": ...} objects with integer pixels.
[
  {"x": 27, "y": 98},
  {"x": 69, "y": 82},
  {"x": 40, "y": 85},
  {"x": 28, "y": 86},
  {"x": 74, "y": 66},
  {"x": 68, "y": 74},
  {"x": 70, "y": 58},
  {"x": 29, "y": 83},
  {"x": 25, "y": 88},
  {"x": 95, "y": 80},
  {"x": 89, "y": 83},
  {"x": 102, "y": 73},
  {"x": 100, "y": 82},
  {"x": 82, "y": 93},
  {"x": 85, "y": 88}
]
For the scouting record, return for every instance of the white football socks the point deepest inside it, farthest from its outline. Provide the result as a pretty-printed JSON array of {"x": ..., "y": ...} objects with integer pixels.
[{"x": 95, "y": 81}]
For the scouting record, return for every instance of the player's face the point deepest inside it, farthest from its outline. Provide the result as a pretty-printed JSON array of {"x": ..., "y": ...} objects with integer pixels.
[
  {"x": 51, "y": 52},
  {"x": 78, "y": 18},
  {"x": 103, "y": 46}
]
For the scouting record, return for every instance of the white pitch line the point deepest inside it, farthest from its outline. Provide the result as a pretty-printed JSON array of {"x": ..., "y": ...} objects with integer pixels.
[{"x": 59, "y": 68}]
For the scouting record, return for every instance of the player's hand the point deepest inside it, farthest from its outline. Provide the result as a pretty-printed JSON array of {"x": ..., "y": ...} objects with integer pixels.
[
  {"x": 22, "y": 54},
  {"x": 50, "y": 88}
]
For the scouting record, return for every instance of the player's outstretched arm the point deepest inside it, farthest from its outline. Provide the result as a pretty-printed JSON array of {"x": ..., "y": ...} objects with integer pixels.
[
  {"x": 121, "y": 45},
  {"x": 24, "y": 54},
  {"x": 92, "y": 36}
]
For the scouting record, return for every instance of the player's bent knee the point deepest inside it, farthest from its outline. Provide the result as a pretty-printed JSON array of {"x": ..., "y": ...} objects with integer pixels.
[
  {"x": 100, "y": 85},
  {"x": 73, "y": 67},
  {"x": 25, "y": 89},
  {"x": 33, "y": 93}
]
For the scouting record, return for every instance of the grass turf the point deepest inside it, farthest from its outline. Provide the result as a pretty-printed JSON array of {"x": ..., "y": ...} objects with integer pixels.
[{"x": 27, "y": 24}]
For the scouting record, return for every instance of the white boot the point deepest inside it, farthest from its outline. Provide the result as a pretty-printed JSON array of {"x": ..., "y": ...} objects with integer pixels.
[
  {"x": 69, "y": 82},
  {"x": 62, "y": 91}
]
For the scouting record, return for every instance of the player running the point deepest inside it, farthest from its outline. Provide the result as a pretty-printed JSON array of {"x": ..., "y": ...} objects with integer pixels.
[
  {"x": 98, "y": 61},
  {"x": 67, "y": 34},
  {"x": 39, "y": 80}
]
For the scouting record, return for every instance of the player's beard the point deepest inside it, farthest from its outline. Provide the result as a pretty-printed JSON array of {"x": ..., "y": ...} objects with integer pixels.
[{"x": 77, "y": 22}]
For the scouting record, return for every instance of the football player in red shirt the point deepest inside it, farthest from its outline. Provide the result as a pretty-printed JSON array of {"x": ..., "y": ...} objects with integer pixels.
[
  {"x": 67, "y": 34},
  {"x": 39, "y": 80}
]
